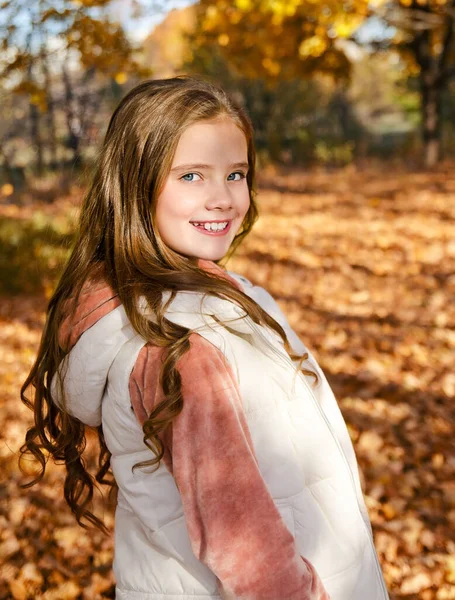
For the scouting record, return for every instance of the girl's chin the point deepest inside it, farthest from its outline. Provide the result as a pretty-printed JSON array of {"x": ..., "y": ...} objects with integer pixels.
[{"x": 209, "y": 256}]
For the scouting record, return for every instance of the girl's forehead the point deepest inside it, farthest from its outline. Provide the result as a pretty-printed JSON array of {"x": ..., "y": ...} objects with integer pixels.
[{"x": 208, "y": 135}]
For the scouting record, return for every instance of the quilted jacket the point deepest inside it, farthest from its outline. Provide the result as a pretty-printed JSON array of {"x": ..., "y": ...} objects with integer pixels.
[{"x": 258, "y": 494}]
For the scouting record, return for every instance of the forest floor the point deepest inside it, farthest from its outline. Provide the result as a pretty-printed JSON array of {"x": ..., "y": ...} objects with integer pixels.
[{"x": 363, "y": 264}]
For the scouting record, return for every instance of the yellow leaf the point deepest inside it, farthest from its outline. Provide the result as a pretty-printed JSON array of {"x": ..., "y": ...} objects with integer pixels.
[
  {"x": 273, "y": 67},
  {"x": 18, "y": 590},
  {"x": 389, "y": 511},
  {"x": 450, "y": 569},
  {"x": 313, "y": 46},
  {"x": 236, "y": 17},
  {"x": 7, "y": 189},
  {"x": 277, "y": 19},
  {"x": 343, "y": 30},
  {"x": 121, "y": 77},
  {"x": 437, "y": 460},
  {"x": 290, "y": 10},
  {"x": 35, "y": 99},
  {"x": 223, "y": 39}
]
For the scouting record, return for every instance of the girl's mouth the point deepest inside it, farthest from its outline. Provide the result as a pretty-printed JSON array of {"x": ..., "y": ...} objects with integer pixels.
[{"x": 212, "y": 227}]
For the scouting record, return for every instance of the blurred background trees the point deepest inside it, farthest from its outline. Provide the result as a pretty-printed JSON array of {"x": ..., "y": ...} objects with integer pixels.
[
  {"x": 61, "y": 61},
  {"x": 324, "y": 82},
  {"x": 425, "y": 38}
]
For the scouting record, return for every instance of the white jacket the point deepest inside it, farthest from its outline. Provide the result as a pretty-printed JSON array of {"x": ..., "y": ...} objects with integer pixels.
[{"x": 302, "y": 445}]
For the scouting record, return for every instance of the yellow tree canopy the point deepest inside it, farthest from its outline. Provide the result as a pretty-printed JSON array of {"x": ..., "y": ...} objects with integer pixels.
[{"x": 280, "y": 39}]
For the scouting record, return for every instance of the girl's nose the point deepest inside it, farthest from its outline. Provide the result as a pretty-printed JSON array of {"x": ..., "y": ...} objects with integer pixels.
[{"x": 220, "y": 198}]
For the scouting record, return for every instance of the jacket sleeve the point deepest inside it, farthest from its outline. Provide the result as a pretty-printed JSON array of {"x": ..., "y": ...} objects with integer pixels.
[{"x": 234, "y": 525}]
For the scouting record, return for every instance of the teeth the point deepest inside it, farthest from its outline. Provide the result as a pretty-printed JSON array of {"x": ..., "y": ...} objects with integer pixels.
[{"x": 213, "y": 226}]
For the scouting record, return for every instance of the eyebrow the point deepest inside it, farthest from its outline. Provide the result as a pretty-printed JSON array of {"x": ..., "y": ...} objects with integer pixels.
[{"x": 239, "y": 165}]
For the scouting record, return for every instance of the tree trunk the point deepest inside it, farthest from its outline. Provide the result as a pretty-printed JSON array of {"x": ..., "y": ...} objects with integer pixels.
[
  {"x": 50, "y": 113},
  {"x": 435, "y": 62},
  {"x": 35, "y": 132},
  {"x": 72, "y": 121},
  {"x": 431, "y": 104},
  {"x": 36, "y": 137}
]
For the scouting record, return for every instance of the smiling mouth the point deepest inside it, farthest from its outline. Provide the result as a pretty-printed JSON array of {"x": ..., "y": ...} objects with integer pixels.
[
  {"x": 211, "y": 225},
  {"x": 212, "y": 228}
]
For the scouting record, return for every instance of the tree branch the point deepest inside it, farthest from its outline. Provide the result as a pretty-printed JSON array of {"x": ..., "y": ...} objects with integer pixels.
[{"x": 414, "y": 19}]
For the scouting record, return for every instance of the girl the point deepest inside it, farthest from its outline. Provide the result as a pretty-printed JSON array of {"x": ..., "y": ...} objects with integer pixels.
[{"x": 235, "y": 473}]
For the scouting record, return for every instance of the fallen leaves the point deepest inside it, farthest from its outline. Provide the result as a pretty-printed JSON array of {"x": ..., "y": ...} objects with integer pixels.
[{"x": 363, "y": 264}]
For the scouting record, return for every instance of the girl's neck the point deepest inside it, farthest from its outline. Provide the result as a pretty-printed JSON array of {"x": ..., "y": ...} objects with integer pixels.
[{"x": 212, "y": 267}]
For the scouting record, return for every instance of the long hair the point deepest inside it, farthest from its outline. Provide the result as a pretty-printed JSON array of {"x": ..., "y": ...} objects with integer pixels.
[{"x": 117, "y": 236}]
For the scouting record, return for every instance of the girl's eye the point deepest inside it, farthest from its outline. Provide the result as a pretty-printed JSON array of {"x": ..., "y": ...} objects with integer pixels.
[
  {"x": 242, "y": 176},
  {"x": 188, "y": 175}
]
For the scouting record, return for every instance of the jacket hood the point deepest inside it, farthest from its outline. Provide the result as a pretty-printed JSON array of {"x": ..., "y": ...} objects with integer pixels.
[{"x": 95, "y": 331}]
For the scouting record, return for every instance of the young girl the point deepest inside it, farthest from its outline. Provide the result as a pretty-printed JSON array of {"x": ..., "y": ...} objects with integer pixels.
[{"x": 235, "y": 473}]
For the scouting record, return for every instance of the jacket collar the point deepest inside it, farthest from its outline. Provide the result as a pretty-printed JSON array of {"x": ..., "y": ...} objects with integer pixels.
[{"x": 88, "y": 363}]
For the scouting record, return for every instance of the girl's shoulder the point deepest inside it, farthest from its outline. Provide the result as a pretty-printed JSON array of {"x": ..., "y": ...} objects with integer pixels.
[
  {"x": 260, "y": 295},
  {"x": 96, "y": 300},
  {"x": 240, "y": 279}
]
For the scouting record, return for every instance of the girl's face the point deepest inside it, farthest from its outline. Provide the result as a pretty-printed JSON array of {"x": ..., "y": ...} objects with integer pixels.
[{"x": 205, "y": 196}]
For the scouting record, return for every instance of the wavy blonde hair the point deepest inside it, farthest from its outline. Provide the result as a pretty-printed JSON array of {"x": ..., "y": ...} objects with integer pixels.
[{"x": 116, "y": 235}]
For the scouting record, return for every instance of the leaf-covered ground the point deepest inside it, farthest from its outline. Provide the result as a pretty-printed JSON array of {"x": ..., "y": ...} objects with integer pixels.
[{"x": 363, "y": 264}]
